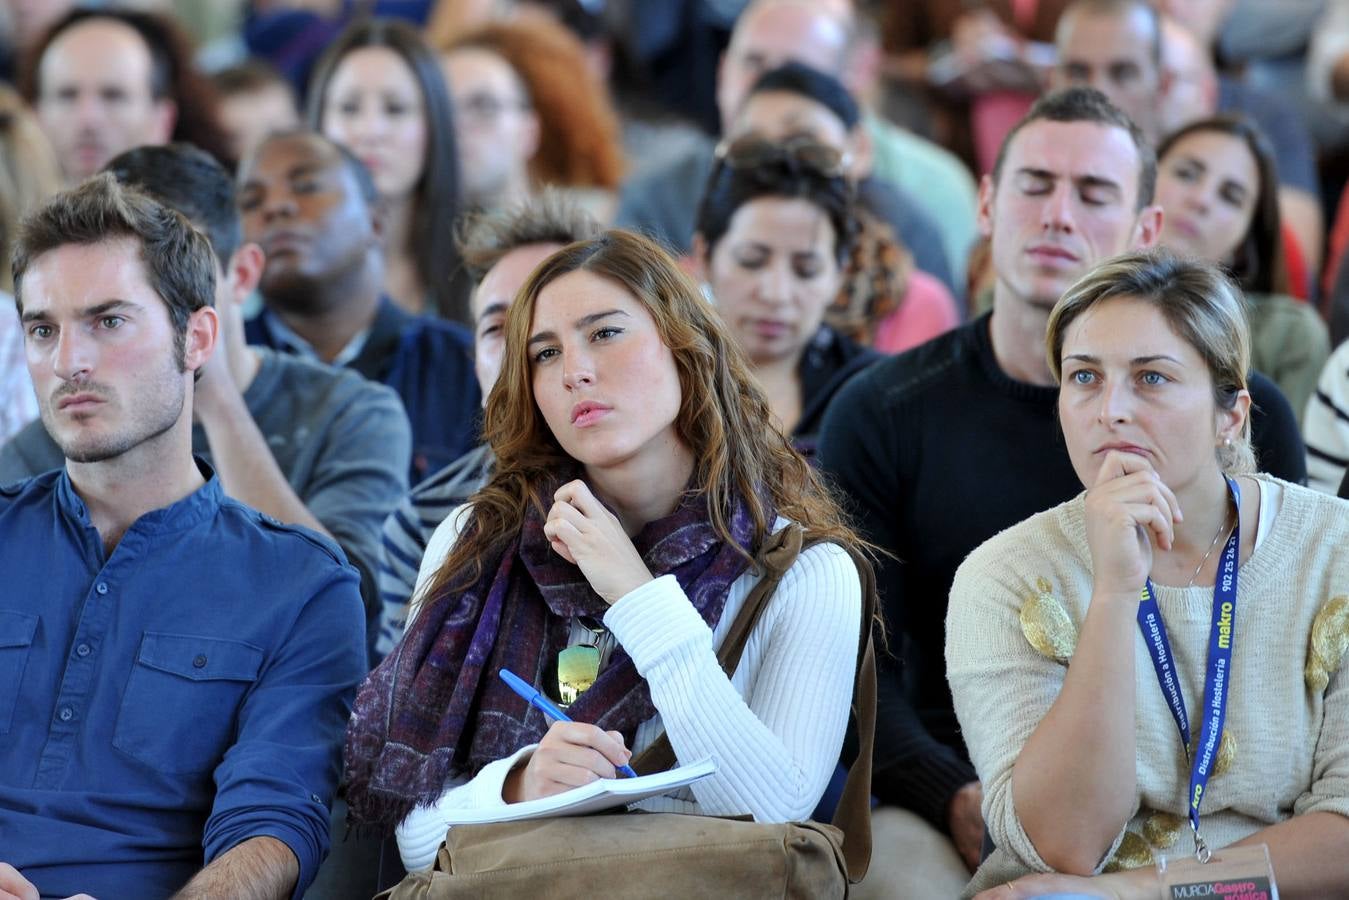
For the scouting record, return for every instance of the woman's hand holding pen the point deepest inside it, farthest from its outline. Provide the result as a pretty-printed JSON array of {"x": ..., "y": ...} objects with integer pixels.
[
  {"x": 583, "y": 531},
  {"x": 1128, "y": 510},
  {"x": 570, "y": 755}
]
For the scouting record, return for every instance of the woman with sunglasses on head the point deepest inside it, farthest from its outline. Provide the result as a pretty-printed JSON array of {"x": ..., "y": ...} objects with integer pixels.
[
  {"x": 379, "y": 91},
  {"x": 885, "y": 299},
  {"x": 774, "y": 230},
  {"x": 638, "y": 475},
  {"x": 1218, "y": 187},
  {"x": 1158, "y": 664}
]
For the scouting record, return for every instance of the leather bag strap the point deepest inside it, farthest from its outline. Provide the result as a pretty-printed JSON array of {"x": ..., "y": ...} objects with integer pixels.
[
  {"x": 776, "y": 556},
  {"x": 853, "y": 814}
]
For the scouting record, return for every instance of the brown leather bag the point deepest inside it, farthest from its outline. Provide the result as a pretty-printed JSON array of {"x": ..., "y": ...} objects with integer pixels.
[{"x": 660, "y": 855}]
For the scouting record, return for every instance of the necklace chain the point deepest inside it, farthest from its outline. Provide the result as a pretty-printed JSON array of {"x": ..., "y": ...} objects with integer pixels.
[{"x": 1222, "y": 530}]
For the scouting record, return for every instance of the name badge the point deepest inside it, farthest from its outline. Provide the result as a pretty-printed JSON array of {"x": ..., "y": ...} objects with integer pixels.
[{"x": 1233, "y": 873}]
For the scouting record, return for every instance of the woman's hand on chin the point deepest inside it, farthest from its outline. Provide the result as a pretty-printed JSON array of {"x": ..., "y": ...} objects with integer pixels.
[
  {"x": 1138, "y": 884},
  {"x": 584, "y": 532},
  {"x": 1128, "y": 511}
]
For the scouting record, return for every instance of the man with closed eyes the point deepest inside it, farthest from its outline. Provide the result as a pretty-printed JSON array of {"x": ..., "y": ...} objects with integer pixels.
[{"x": 944, "y": 446}]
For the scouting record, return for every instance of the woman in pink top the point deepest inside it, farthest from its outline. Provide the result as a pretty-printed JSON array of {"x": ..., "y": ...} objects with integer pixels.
[{"x": 926, "y": 310}]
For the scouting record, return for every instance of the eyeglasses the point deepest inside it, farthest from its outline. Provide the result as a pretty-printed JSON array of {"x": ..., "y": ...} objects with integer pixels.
[
  {"x": 752, "y": 150},
  {"x": 579, "y": 665},
  {"x": 484, "y": 107}
]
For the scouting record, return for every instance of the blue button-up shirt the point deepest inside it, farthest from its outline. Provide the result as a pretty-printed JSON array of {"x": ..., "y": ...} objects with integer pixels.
[{"x": 162, "y": 703}]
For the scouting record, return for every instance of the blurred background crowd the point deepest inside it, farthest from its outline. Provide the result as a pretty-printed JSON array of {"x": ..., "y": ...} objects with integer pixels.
[{"x": 828, "y": 161}]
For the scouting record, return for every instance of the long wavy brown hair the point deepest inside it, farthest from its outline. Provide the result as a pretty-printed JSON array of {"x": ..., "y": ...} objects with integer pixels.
[
  {"x": 580, "y": 143},
  {"x": 724, "y": 417}
]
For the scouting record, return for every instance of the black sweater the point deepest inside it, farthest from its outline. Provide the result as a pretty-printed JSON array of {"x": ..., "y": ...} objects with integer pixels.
[
  {"x": 826, "y": 365},
  {"x": 936, "y": 450}
]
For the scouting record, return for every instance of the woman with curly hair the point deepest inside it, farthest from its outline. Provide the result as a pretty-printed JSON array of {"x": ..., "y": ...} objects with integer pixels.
[
  {"x": 378, "y": 91},
  {"x": 638, "y": 477},
  {"x": 776, "y": 226},
  {"x": 883, "y": 300},
  {"x": 530, "y": 113}
]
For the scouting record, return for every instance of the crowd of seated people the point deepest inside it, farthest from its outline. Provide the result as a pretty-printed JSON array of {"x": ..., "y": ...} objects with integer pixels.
[{"x": 353, "y": 353}]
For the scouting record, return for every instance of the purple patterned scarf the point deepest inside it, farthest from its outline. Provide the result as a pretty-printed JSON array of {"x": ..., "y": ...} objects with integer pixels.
[{"x": 435, "y": 708}]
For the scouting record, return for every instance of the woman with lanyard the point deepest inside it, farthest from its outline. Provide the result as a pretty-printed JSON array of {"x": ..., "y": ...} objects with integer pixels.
[
  {"x": 638, "y": 476},
  {"x": 1182, "y": 601}
]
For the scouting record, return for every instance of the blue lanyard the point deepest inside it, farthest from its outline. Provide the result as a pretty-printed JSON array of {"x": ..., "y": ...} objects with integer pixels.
[{"x": 1221, "y": 634}]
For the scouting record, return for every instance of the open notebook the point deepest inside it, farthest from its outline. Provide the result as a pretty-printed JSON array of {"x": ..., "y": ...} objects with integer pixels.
[{"x": 598, "y": 795}]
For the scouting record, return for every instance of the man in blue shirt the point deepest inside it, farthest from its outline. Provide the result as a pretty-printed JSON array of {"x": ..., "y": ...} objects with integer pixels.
[
  {"x": 312, "y": 208},
  {"x": 176, "y": 668},
  {"x": 303, "y": 442}
]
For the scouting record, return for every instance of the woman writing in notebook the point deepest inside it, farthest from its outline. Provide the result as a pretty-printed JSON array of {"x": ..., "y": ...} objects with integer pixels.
[
  {"x": 1156, "y": 667},
  {"x": 638, "y": 476}
]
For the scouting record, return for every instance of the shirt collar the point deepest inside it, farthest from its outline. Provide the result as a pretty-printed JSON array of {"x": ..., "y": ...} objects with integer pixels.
[
  {"x": 291, "y": 342},
  {"x": 196, "y": 507}
]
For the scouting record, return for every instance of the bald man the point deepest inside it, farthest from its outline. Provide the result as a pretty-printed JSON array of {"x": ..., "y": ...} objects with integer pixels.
[
  {"x": 820, "y": 35},
  {"x": 99, "y": 94},
  {"x": 1117, "y": 47}
]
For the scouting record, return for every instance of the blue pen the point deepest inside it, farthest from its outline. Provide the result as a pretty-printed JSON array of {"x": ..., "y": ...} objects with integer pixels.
[{"x": 536, "y": 699}]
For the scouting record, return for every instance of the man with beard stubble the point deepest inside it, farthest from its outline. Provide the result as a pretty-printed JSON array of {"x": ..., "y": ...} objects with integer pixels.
[{"x": 176, "y": 668}]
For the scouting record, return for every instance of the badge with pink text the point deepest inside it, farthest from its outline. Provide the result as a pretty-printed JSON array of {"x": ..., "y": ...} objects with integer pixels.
[{"x": 1234, "y": 873}]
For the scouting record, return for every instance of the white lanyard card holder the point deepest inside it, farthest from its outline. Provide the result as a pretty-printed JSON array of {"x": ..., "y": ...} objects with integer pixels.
[{"x": 1233, "y": 873}]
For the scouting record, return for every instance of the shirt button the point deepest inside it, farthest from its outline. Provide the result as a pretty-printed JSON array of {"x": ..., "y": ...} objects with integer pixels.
[
  {"x": 316, "y": 799},
  {"x": 66, "y": 714},
  {"x": 101, "y": 587},
  {"x": 83, "y": 650},
  {"x": 200, "y": 661}
]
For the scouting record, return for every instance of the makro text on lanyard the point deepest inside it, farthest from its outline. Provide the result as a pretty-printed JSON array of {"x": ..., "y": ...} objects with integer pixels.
[{"x": 1221, "y": 634}]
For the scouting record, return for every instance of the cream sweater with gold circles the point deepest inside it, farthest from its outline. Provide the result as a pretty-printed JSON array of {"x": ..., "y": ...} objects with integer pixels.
[{"x": 1017, "y": 602}]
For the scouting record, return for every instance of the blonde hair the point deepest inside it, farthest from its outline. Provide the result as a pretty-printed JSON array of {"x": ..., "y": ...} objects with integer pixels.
[
  {"x": 28, "y": 172},
  {"x": 1201, "y": 305},
  {"x": 724, "y": 417},
  {"x": 549, "y": 217}
]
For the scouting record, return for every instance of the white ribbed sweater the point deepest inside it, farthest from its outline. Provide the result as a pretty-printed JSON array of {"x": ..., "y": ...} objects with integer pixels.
[
  {"x": 1291, "y": 742},
  {"x": 775, "y": 727}
]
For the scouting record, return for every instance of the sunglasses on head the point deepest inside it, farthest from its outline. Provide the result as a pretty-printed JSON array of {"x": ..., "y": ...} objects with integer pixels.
[{"x": 751, "y": 150}]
